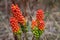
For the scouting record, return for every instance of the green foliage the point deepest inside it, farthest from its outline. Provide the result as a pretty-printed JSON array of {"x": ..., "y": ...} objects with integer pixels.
[{"x": 23, "y": 28}]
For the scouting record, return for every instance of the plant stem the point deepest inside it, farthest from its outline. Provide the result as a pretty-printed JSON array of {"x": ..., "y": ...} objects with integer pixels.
[
  {"x": 19, "y": 37},
  {"x": 25, "y": 36},
  {"x": 37, "y": 38},
  {"x": 33, "y": 38}
]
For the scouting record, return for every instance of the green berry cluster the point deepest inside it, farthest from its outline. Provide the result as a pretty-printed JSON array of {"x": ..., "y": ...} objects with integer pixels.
[{"x": 37, "y": 32}]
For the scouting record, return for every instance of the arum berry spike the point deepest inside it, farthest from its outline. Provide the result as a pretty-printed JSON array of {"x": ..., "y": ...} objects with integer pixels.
[
  {"x": 15, "y": 27},
  {"x": 40, "y": 19},
  {"x": 38, "y": 24},
  {"x": 17, "y": 14}
]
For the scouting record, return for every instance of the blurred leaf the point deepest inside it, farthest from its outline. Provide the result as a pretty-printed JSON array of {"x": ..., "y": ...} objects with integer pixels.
[{"x": 24, "y": 29}]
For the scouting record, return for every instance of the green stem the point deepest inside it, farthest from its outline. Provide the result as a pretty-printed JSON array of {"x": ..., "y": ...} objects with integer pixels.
[
  {"x": 18, "y": 36},
  {"x": 33, "y": 38},
  {"x": 25, "y": 35},
  {"x": 37, "y": 38}
]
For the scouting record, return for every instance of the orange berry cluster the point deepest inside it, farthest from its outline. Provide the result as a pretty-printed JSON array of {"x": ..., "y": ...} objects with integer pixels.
[
  {"x": 34, "y": 24},
  {"x": 17, "y": 13},
  {"x": 14, "y": 24},
  {"x": 39, "y": 18}
]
